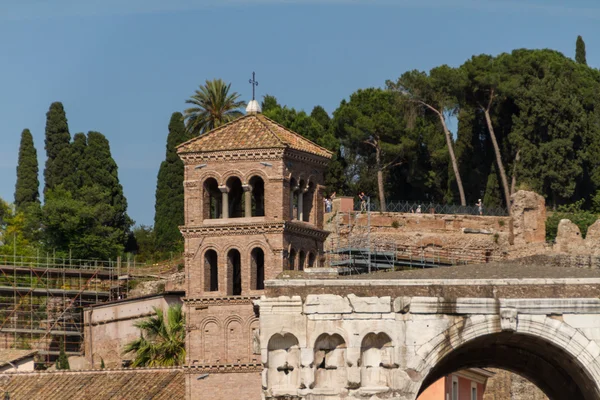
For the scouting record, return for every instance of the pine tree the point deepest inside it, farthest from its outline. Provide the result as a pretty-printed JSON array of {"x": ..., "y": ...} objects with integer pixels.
[
  {"x": 27, "y": 187},
  {"x": 58, "y": 138},
  {"x": 169, "y": 190},
  {"x": 580, "y": 51}
]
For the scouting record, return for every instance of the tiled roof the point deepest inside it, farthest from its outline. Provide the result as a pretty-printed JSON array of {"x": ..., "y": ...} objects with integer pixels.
[
  {"x": 13, "y": 355},
  {"x": 252, "y": 131},
  {"x": 130, "y": 384}
]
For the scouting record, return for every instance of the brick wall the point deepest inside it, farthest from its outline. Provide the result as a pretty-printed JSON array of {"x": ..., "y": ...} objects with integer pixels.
[{"x": 224, "y": 386}]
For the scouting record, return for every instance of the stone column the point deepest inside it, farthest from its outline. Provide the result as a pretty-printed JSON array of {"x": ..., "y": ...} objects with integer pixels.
[
  {"x": 225, "y": 201},
  {"x": 247, "y": 200}
]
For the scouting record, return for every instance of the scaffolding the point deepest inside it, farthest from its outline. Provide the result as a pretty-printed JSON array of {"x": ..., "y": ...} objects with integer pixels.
[{"x": 42, "y": 301}]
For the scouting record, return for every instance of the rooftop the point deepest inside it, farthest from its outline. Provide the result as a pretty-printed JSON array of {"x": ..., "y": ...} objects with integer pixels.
[
  {"x": 131, "y": 384},
  {"x": 252, "y": 131},
  {"x": 13, "y": 355}
]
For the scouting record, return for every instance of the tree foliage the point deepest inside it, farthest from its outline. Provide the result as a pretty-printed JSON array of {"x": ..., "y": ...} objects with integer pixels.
[
  {"x": 58, "y": 166},
  {"x": 580, "y": 51},
  {"x": 162, "y": 339},
  {"x": 212, "y": 106},
  {"x": 27, "y": 188},
  {"x": 168, "y": 215}
]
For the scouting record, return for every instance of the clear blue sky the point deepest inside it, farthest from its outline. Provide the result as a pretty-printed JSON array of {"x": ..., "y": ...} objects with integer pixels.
[{"x": 122, "y": 67}]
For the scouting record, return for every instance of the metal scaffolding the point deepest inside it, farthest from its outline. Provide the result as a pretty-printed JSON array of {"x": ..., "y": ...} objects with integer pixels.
[{"x": 42, "y": 301}]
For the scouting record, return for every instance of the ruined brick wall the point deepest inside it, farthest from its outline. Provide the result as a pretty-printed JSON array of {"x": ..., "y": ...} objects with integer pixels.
[
  {"x": 224, "y": 385},
  {"x": 508, "y": 386},
  {"x": 222, "y": 331}
]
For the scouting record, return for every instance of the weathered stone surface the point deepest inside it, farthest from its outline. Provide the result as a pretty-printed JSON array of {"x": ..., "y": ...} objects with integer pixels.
[
  {"x": 592, "y": 238},
  {"x": 568, "y": 237},
  {"x": 327, "y": 304},
  {"x": 508, "y": 386},
  {"x": 529, "y": 217},
  {"x": 370, "y": 304}
]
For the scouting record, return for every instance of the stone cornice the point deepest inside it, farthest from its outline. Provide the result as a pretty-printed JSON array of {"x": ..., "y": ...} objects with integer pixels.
[
  {"x": 249, "y": 228},
  {"x": 307, "y": 230},
  {"x": 304, "y": 157},
  {"x": 224, "y": 368},
  {"x": 232, "y": 155}
]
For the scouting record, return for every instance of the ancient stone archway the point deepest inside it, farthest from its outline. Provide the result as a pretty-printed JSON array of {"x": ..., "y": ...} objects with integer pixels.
[{"x": 548, "y": 352}]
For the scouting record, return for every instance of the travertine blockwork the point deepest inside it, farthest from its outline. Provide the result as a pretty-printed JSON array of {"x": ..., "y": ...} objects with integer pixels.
[{"x": 343, "y": 346}]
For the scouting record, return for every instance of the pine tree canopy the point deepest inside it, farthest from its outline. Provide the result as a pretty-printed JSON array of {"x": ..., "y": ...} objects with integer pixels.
[
  {"x": 28, "y": 185},
  {"x": 169, "y": 206},
  {"x": 58, "y": 165}
]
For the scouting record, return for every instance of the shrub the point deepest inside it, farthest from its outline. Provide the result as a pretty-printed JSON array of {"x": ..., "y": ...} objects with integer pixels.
[
  {"x": 395, "y": 224},
  {"x": 573, "y": 212}
]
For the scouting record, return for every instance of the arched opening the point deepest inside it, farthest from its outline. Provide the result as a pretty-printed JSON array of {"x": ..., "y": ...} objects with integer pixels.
[
  {"x": 330, "y": 362},
  {"x": 311, "y": 260},
  {"x": 293, "y": 198},
  {"x": 300, "y": 200},
  {"x": 234, "y": 273},
  {"x": 301, "y": 260},
  {"x": 307, "y": 202},
  {"x": 258, "y": 268},
  {"x": 283, "y": 362},
  {"x": 211, "y": 271},
  {"x": 292, "y": 260},
  {"x": 258, "y": 196},
  {"x": 212, "y": 199},
  {"x": 557, "y": 373},
  {"x": 376, "y": 361},
  {"x": 235, "y": 197}
]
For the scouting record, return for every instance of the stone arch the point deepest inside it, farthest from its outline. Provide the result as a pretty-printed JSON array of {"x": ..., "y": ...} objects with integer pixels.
[
  {"x": 210, "y": 328},
  {"x": 236, "y": 345},
  {"x": 234, "y": 272},
  {"x": 283, "y": 363},
  {"x": 211, "y": 270},
  {"x": 255, "y": 172},
  {"x": 257, "y": 268},
  {"x": 294, "y": 190},
  {"x": 308, "y": 202},
  {"x": 551, "y": 354},
  {"x": 212, "y": 198},
  {"x": 232, "y": 173},
  {"x": 330, "y": 362},
  {"x": 211, "y": 174},
  {"x": 292, "y": 259},
  {"x": 376, "y": 361},
  {"x": 311, "y": 259}
]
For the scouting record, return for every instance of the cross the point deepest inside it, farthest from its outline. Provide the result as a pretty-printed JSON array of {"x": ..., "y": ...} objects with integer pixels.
[{"x": 254, "y": 83}]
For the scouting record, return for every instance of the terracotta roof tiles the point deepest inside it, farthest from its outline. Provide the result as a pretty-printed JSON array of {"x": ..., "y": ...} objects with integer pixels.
[{"x": 252, "y": 131}]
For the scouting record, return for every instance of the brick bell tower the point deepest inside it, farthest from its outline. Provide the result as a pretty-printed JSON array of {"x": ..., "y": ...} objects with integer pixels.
[{"x": 253, "y": 208}]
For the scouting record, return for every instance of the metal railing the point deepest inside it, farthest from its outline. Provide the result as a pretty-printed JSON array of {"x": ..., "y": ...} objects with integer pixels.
[{"x": 430, "y": 208}]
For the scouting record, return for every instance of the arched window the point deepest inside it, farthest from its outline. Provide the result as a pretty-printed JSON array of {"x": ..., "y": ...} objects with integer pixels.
[
  {"x": 300, "y": 201},
  {"x": 376, "y": 360},
  {"x": 293, "y": 198},
  {"x": 311, "y": 260},
  {"x": 283, "y": 363},
  {"x": 235, "y": 197},
  {"x": 330, "y": 362},
  {"x": 258, "y": 268},
  {"x": 212, "y": 199},
  {"x": 301, "y": 260},
  {"x": 258, "y": 196},
  {"x": 307, "y": 202},
  {"x": 234, "y": 273},
  {"x": 292, "y": 260},
  {"x": 211, "y": 271}
]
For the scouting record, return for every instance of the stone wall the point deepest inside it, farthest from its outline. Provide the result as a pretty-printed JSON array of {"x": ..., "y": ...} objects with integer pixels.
[
  {"x": 217, "y": 385},
  {"x": 508, "y": 386}
]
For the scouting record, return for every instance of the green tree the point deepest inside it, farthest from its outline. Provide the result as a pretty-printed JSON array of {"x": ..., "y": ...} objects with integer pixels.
[
  {"x": 58, "y": 165},
  {"x": 212, "y": 106},
  {"x": 438, "y": 93},
  {"x": 493, "y": 194},
  {"x": 580, "y": 51},
  {"x": 27, "y": 189},
  {"x": 74, "y": 182},
  {"x": 62, "y": 362},
  {"x": 372, "y": 127},
  {"x": 168, "y": 214},
  {"x": 162, "y": 339}
]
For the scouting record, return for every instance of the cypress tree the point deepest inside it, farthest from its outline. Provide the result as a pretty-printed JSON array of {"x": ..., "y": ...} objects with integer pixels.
[
  {"x": 27, "y": 187},
  {"x": 580, "y": 51},
  {"x": 168, "y": 208},
  {"x": 493, "y": 195},
  {"x": 58, "y": 165},
  {"x": 62, "y": 362},
  {"x": 77, "y": 152}
]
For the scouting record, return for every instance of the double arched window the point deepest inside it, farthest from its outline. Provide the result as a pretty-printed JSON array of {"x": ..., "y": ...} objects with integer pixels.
[{"x": 234, "y": 274}]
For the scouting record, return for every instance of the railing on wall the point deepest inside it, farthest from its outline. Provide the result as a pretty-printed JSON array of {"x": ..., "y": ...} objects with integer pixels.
[{"x": 430, "y": 208}]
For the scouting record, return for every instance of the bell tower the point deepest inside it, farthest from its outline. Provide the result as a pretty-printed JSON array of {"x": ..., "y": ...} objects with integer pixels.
[{"x": 253, "y": 208}]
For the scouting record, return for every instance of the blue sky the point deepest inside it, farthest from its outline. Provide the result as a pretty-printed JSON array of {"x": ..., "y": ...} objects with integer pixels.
[{"x": 121, "y": 67}]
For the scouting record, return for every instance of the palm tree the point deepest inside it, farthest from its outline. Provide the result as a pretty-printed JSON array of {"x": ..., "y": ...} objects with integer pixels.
[
  {"x": 213, "y": 106},
  {"x": 162, "y": 340}
]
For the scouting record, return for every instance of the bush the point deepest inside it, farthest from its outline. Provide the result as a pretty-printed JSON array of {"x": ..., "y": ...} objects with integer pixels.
[
  {"x": 573, "y": 212},
  {"x": 395, "y": 224}
]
